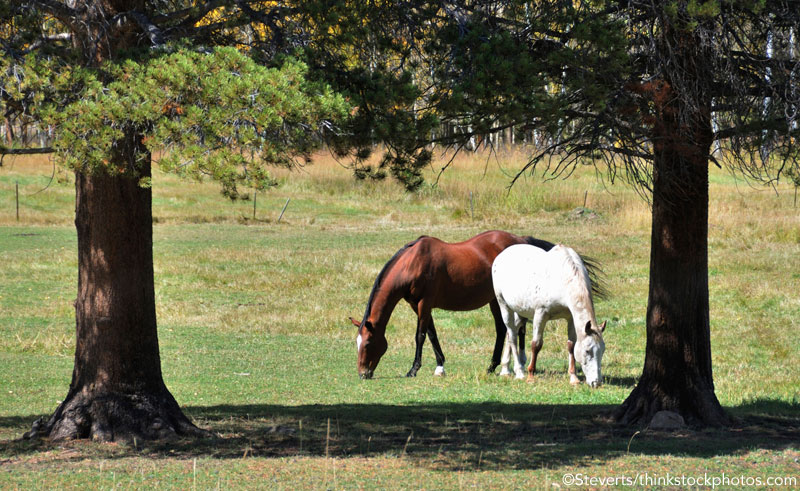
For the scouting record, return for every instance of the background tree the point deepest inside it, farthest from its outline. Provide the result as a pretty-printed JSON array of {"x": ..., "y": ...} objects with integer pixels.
[{"x": 643, "y": 90}]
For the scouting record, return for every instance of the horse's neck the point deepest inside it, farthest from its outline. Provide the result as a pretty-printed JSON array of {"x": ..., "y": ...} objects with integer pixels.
[
  {"x": 383, "y": 304},
  {"x": 582, "y": 310},
  {"x": 580, "y": 317}
]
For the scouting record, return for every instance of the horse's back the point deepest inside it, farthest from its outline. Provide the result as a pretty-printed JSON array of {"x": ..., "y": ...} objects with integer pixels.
[
  {"x": 477, "y": 252},
  {"x": 526, "y": 277},
  {"x": 454, "y": 276}
]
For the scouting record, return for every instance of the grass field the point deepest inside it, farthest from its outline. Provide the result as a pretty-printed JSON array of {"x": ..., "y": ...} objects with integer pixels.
[{"x": 256, "y": 345}]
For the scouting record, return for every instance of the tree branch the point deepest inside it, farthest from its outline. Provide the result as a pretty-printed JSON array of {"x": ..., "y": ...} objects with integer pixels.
[
  {"x": 25, "y": 151},
  {"x": 750, "y": 129},
  {"x": 64, "y": 13},
  {"x": 63, "y": 36},
  {"x": 153, "y": 31}
]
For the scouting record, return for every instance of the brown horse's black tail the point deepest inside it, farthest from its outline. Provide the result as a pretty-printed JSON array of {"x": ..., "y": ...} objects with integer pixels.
[
  {"x": 596, "y": 275},
  {"x": 541, "y": 244}
]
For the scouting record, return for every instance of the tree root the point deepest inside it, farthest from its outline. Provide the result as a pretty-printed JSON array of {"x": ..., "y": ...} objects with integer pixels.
[
  {"x": 111, "y": 416},
  {"x": 699, "y": 408}
]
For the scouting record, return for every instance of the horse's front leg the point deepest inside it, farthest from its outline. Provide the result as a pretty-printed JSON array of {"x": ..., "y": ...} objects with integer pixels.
[
  {"x": 573, "y": 376},
  {"x": 420, "y": 339},
  {"x": 537, "y": 340}
]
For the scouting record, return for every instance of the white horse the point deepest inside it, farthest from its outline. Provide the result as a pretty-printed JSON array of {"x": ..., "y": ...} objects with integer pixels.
[{"x": 533, "y": 284}]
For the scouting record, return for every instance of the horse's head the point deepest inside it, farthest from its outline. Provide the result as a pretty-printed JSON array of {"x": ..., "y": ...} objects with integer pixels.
[
  {"x": 589, "y": 353},
  {"x": 371, "y": 345}
]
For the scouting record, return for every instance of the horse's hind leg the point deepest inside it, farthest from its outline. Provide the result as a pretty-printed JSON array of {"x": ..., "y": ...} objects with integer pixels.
[
  {"x": 500, "y": 335},
  {"x": 513, "y": 324},
  {"x": 437, "y": 349},
  {"x": 505, "y": 362},
  {"x": 512, "y": 343}
]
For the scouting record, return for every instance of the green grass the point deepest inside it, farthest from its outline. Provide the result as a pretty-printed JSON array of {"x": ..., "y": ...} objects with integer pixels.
[{"x": 256, "y": 344}]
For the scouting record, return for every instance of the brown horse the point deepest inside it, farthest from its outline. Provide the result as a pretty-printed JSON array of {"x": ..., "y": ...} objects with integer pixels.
[{"x": 431, "y": 274}]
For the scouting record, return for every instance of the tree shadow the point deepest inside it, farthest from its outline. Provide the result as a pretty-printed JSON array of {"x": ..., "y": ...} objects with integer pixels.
[{"x": 453, "y": 436}]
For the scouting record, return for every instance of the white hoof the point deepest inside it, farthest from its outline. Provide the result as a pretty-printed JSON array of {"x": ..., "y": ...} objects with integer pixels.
[
  {"x": 505, "y": 372},
  {"x": 439, "y": 372},
  {"x": 519, "y": 376}
]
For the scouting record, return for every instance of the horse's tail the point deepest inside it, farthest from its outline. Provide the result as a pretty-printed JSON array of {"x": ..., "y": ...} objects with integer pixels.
[
  {"x": 541, "y": 244},
  {"x": 596, "y": 274}
]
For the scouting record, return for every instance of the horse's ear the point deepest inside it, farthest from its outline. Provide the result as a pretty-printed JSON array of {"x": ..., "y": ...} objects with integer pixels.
[
  {"x": 355, "y": 322},
  {"x": 588, "y": 328},
  {"x": 603, "y": 326}
]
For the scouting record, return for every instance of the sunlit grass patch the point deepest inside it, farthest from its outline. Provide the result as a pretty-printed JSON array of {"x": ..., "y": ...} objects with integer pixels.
[{"x": 255, "y": 338}]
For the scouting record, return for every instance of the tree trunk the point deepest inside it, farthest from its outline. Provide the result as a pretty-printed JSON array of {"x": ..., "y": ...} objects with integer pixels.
[
  {"x": 677, "y": 372},
  {"x": 677, "y": 367},
  {"x": 117, "y": 391}
]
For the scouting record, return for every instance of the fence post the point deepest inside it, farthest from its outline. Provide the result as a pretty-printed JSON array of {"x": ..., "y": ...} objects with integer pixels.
[
  {"x": 471, "y": 207},
  {"x": 283, "y": 210}
]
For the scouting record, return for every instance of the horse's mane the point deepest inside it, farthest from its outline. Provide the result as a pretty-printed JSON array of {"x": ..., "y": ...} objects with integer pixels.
[
  {"x": 379, "y": 278},
  {"x": 593, "y": 268},
  {"x": 584, "y": 265}
]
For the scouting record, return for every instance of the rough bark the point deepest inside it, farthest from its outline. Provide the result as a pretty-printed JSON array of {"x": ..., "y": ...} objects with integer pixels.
[
  {"x": 117, "y": 390},
  {"x": 677, "y": 373}
]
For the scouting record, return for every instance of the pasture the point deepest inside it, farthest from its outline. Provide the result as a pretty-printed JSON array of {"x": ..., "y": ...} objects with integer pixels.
[{"x": 257, "y": 347}]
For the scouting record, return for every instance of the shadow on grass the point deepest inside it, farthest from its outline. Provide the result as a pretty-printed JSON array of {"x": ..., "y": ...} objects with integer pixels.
[{"x": 452, "y": 436}]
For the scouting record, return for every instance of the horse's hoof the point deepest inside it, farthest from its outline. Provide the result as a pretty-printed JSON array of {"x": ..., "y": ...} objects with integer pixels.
[
  {"x": 411, "y": 373},
  {"x": 439, "y": 372},
  {"x": 574, "y": 381},
  {"x": 531, "y": 379},
  {"x": 519, "y": 376}
]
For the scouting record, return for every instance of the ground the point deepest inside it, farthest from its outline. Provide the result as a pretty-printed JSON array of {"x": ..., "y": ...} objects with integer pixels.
[{"x": 257, "y": 347}]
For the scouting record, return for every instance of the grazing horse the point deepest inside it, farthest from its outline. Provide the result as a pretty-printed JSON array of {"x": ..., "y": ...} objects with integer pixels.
[
  {"x": 531, "y": 283},
  {"x": 431, "y": 274}
]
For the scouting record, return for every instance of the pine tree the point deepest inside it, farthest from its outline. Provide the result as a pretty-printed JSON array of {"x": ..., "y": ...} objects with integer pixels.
[
  {"x": 104, "y": 76},
  {"x": 652, "y": 92}
]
